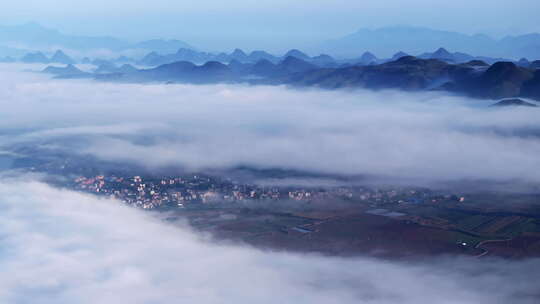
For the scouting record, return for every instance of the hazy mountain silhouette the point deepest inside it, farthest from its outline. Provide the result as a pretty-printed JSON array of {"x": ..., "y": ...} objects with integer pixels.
[
  {"x": 239, "y": 55},
  {"x": 368, "y": 58},
  {"x": 324, "y": 60},
  {"x": 37, "y": 57},
  {"x": 399, "y": 55},
  {"x": 523, "y": 62},
  {"x": 69, "y": 71},
  {"x": 61, "y": 57},
  {"x": 415, "y": 40},
  {"x": 297, "y": 54},
  {"x": 155, "y": 59},
  {"x": 259, "y": 55},
  {"x": 34, "y": 36}
]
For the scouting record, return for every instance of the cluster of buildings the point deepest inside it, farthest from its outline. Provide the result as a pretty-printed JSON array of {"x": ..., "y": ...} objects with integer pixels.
[{"x": 194, "y": 190}]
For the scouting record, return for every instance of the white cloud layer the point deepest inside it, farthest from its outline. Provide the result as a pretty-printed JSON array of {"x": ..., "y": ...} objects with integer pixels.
[
  {"x": 64, "y": 247},
  {"x": 423, "y": 136}
]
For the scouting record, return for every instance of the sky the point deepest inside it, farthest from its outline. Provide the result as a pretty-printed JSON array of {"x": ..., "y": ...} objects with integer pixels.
[{"x": 216, "y": 24}]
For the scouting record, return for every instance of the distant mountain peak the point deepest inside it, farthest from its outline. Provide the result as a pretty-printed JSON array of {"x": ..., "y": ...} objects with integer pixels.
[
  {"x": 408, "y": 58},
  {"x": 258, "y": 54},
  {"x": 239, "y": 52},
  {"x": 291, "y": 59},
  {"x": 295, "y": 64},
  {"x": 35, "y": 57},
  {"x": 416, "y": 40},
  {"x": 61, "y": 57},
  {"x": 523, "y": 62},
  {"x": 297, "y": 53},
  {"x": 507, "y": 71},
  {"x": 34, "y": 36},
  {"x": 399, "y": 55},
  {"x": 442, "y": 53},
  {"x": 214, "y": 66},
  {"x": 503, "y": 66},
  {"x": 368, "y": 57},
  {"x": 68, "y": 70},
  {"x": 323, "y": 58},
  {"x": 184, "y": 51}
]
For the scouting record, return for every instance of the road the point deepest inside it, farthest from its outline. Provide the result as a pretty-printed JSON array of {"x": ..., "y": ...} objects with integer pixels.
[{"x": 479, "y": 246}]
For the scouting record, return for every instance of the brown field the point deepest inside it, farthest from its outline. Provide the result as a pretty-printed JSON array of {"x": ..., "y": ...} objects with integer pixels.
[
  {"x": 495, "y": 226},
  {"x": 351, "y": 235},
  {"x": 397, "y": 232}
]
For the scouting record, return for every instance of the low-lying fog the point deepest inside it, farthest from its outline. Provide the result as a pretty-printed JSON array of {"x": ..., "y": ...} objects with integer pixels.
[
  {"x": 422, "y": 136},
  {"x": 63, "y": 247}
]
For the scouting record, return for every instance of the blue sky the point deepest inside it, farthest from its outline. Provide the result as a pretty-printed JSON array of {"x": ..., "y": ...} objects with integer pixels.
[{"x": 265, "y": 23}]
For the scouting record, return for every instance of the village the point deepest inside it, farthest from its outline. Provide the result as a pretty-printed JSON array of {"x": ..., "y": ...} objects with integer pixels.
[{"x": 197, "y": 190}]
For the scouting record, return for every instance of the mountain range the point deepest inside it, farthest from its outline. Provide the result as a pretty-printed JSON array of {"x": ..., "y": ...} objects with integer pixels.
[
  {"x": 238, "y": 56},
  {"x": 323, "y": 60},
  {"x": 362, "y": 47},
  {"x": 367, "y": 58},
  {"x": 475, "y": 78},
  {"x": 414, "y": 40},
  {"x": 365, "y": 45},
  {"x": 19, "y": 39}
]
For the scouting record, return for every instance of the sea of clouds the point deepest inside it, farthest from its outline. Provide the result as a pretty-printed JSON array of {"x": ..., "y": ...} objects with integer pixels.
[{"x": 387, "y": 134}]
